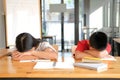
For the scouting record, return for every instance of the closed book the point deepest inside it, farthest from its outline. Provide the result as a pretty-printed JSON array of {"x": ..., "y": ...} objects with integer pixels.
[
  {"x": 98, "y": 60},
  {"x": 99, "y": 67},
  {"x": 91, "y": 60}
]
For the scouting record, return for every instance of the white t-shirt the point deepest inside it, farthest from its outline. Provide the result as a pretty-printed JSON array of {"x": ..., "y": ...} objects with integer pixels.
[{"x": 43, "y": 45}]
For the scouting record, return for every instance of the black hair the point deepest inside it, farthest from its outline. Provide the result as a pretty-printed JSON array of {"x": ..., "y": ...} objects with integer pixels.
[
  {"x": 98, "y": 40},
  {"x": 25, "y": 42}
]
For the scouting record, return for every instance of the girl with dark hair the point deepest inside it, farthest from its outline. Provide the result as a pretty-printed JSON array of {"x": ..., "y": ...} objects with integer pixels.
[{"x": 29, "y": 47}]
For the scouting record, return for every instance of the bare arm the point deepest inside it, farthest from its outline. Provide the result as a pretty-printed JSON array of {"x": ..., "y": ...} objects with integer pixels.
[
  {"x": 46, "y": 54},
  {"x": 22, "y": 56},
  {"x": 96, "y": 53},
  {"x": 32, "y": 54},
  {"x": 91, "y": 53},
  {"x": 80, "y": 55}
]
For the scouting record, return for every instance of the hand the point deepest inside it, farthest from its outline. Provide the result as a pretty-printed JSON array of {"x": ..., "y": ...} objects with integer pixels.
[
  {"x": 103, "y": 53},
  {"x": 28, "y": 53},
  {"x": 16, "y": 55}
]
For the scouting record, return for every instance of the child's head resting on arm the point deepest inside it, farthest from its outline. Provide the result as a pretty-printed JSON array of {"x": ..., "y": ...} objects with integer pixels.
[
  {"x": 98, "y": 41},
  {"x": 32, "y": 48},
  {"x": 25, "y": 42}
]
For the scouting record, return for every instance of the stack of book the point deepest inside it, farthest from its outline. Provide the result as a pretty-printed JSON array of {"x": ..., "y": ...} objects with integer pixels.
[{"x": 92, "y": 63}]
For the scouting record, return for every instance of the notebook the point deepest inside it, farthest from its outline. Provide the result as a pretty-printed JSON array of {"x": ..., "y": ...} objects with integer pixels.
[{"x": 99, "y": 67}]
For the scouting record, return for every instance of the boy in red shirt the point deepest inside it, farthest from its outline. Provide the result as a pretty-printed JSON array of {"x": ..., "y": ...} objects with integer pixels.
[{"x": 96, "y": 46}]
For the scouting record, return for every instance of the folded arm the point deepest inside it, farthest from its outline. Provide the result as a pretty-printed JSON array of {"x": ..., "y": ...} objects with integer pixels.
[
  {"x": 91, "y": 53},
  {"x": 46, "y": 54},
  {"x": 96, "y": 53},
  {"x": 80, "y": 55},
  {"x": 32, "y": 54},
  {"x": 16, "y": 55}
]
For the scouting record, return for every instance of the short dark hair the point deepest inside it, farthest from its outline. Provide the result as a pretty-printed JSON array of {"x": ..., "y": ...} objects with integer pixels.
[
  {"x": 25, "y": 42},
  {"x": 98, "y": 40}
]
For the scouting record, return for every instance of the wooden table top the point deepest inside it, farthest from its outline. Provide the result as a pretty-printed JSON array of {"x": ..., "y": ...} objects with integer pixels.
[{"x": 16, "y": 69}]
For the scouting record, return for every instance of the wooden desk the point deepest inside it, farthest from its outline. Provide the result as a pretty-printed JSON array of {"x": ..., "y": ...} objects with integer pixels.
[{"x": 15, "y": 69}]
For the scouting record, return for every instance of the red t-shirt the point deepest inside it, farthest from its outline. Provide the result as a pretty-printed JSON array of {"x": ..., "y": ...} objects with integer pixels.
[{"x": 84, "y": 45}]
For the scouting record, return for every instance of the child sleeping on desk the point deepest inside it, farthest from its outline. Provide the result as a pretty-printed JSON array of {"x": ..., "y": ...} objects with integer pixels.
[
  {"x": 29, "y": 48},
  {"x": 97, "y": 46}
]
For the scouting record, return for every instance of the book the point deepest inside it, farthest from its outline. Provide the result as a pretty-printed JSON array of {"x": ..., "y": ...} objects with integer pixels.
[
  {"x": 91, "y": 60},
  {"x": 99, "y": 67},
  {"x": 53, "y": 65},
  {"x": 98, "y": 60}
]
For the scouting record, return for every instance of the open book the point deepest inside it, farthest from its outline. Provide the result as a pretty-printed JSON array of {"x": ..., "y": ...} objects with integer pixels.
[
  {"x": 99, "y": 67},
  {"x": 53, "y": 65}
]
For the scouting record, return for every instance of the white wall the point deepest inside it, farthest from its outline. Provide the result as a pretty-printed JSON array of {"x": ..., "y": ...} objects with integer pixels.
[
  {"x": 22, "y": 16},
  {"x": 37, "y": 31},
  {"x": 95, "y": 4},
  {"x": 2, "y": 26},
  {"x": 96, "y": 13}
]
